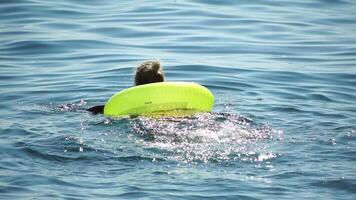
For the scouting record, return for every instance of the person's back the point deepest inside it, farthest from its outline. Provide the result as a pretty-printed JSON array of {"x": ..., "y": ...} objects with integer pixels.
[{"x": 147, "y": 72}]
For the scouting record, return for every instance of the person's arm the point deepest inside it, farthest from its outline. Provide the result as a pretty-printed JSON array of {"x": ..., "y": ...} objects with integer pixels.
[{"x": 96, "y": 109}]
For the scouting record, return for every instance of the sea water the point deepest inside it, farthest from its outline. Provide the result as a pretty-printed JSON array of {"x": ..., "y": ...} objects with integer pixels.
[{"x": 283, "y": 74}]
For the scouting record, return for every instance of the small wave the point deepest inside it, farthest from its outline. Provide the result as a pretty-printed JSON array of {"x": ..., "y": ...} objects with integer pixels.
[
  {"x": 62, "y": 149},
  {"x": 31, "y": 47},
  {"x": 138, "y": 158},
  {"x": 11, "y": 190},
  {"x": 345, "y": 184},
  {"x": 320, "y": 97}
]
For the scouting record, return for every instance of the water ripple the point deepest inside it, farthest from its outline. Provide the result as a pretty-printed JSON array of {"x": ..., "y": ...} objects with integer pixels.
[{"x": 283, "y": 75}]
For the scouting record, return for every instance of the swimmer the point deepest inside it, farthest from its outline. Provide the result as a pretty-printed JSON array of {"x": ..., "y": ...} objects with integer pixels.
[{"x": 147, "y": 72}]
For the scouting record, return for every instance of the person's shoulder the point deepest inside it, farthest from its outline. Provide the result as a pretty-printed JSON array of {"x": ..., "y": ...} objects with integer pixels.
[{"x": 96, "y": 109}]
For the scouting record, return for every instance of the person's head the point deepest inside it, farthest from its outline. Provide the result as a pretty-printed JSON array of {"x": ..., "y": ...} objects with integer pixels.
[{"x": 149, "y": 72}]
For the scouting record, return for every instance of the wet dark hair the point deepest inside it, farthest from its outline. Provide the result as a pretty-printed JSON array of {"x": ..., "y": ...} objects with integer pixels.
[{"x": 149, "y": 72}]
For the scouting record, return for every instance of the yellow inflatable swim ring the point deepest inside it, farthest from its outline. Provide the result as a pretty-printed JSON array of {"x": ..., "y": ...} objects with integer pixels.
[{"x": 158, "y": 98}]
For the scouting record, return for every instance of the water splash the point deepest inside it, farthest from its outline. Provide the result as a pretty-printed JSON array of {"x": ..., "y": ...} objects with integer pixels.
[
  {"x": 71, "y": 106},
  {"x": 210, "y": 137}
]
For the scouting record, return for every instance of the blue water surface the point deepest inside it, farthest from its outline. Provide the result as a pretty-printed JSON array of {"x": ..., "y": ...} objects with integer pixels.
[{"x": 283, "y": 74}]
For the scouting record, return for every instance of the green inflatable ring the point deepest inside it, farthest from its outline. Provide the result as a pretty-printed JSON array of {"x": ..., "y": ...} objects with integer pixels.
[{"x": 160, "y": 98}]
